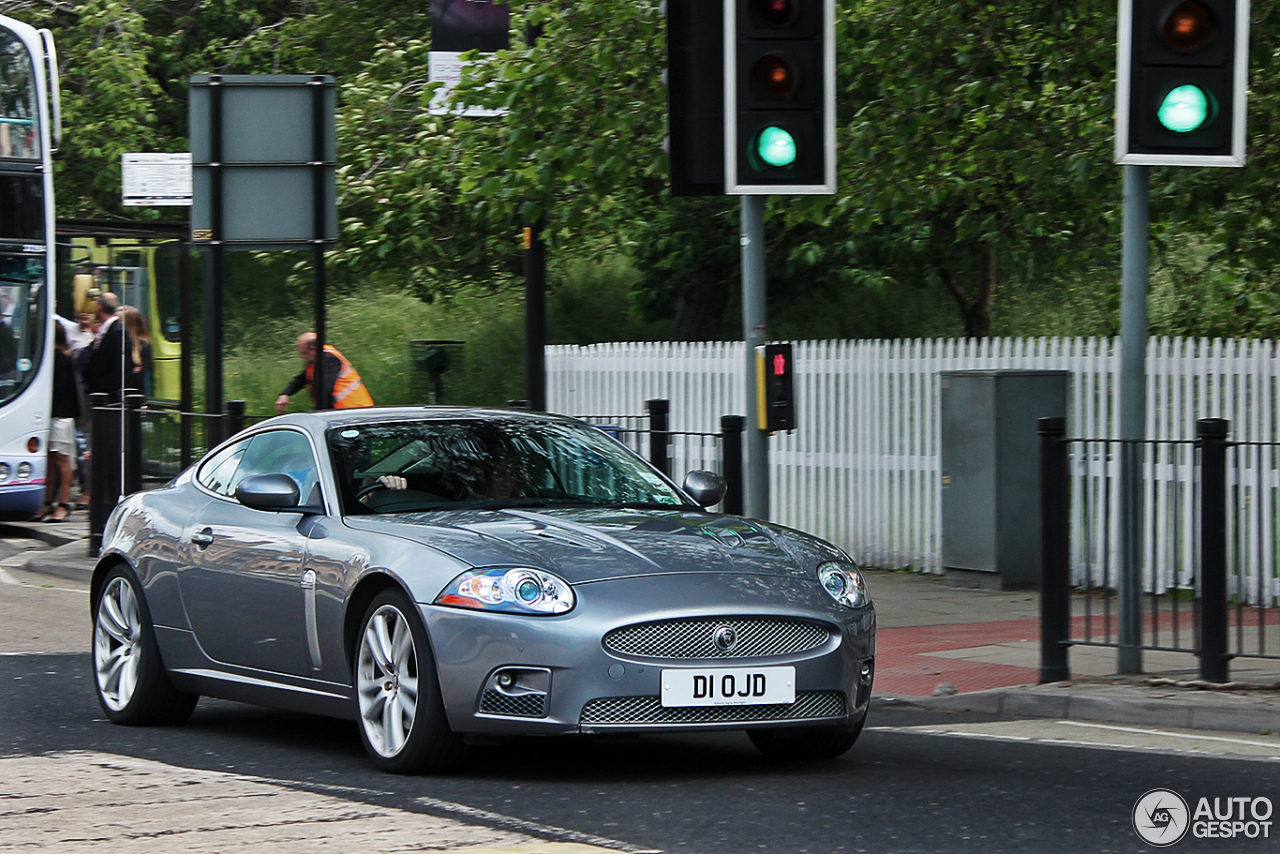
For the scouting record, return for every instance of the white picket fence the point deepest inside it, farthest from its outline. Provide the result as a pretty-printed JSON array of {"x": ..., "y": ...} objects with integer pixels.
[{"x": 862, "y": 469}]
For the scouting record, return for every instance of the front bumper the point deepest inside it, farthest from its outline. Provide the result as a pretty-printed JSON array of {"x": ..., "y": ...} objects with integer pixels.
[{"x": 554, "y": 675}]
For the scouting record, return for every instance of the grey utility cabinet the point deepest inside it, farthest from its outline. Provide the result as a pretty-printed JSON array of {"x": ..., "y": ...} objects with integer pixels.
[{"x": 991, "y": 474}]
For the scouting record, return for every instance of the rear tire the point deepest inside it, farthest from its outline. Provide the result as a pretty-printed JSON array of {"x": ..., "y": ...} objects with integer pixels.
[
  {"x": 401, "y": 713},
  {"x": 129, "y": 677},
  {"x": 798, "y": 745}
]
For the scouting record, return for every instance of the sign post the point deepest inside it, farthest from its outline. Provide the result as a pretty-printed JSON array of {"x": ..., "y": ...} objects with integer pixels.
[{"x": 264, "y": 157}]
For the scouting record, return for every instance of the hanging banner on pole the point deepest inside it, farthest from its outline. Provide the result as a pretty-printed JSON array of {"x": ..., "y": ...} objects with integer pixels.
[{"x": 458, "y": 26}]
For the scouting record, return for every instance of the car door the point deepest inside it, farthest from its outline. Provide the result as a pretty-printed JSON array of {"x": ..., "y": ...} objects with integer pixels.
[{"x": 246, "y": 581}]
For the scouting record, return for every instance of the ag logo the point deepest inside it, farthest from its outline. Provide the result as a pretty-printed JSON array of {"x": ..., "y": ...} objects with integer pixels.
[{"x": 1161, "y": 817}]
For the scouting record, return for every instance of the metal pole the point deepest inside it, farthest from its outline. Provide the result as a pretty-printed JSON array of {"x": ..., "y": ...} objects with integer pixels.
[
  {"x": 1212, "y": 436},
  {"x": 731, "y": 429},
  {"x": 535, "y": 316},
  {"x": 186, "y": 399},
  {"x": 756, "y": 334},
  {"x": 131, "y": 475},
  {"x": 320, "y": 384},
  {"x": 535, "y": 294},
  {"x": 659, "y": 437},
  {"x": 1133, "y": 399},
  {"x": 104, "y": 445},
  {"x": 1055, "y": 583},
  {"x": 213, "y": 288},
  {"x": 234, "y": 417}
]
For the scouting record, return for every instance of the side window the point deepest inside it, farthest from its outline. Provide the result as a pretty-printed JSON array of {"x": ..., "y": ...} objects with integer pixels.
[
  {"x": 280, "y": 452},
  {"x": 219, "y": 471}
]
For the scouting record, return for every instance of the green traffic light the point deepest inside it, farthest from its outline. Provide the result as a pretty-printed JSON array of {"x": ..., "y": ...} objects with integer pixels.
[
  {"x": 1184, "y": 109},
  {"x": 776, "y": 147}
]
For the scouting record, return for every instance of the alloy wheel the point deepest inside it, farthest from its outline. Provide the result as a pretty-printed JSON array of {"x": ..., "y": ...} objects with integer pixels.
[
  {"x": 117, "y": 644},
  {"x": 387, "y": 680}
]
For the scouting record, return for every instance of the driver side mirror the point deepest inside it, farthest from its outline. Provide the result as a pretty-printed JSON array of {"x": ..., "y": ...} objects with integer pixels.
[
  {"x": 705, "y": 487},
  {"x": 272, "y": 492}
]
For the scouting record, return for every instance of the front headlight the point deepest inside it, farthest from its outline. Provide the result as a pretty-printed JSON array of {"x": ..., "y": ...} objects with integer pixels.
[
  {"x": 844, "y": 583},
  {"x": 511, "y": 590}
]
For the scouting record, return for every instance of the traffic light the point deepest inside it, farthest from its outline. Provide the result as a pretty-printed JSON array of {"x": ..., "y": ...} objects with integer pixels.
[
  {"x": 1181, "y": 75},
  {"x": 775, "y": 389},
  {"x": 695, "y": 96},
  {"x": 779, "y": 112}
]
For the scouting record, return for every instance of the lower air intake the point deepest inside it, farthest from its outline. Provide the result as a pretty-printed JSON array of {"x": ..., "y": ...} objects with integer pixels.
[{"x": 649, "y": 710}]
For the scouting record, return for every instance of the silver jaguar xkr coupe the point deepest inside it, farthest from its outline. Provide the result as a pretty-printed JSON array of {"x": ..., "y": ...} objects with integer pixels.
[{"x": 434, "y": 573}]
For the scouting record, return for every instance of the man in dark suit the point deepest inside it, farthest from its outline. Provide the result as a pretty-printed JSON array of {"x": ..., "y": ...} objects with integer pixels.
[{"x": 104, "y": 370}]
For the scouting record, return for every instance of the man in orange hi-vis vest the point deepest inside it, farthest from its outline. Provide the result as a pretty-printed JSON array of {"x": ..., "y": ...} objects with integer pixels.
[{"x": 346, "y": 390}]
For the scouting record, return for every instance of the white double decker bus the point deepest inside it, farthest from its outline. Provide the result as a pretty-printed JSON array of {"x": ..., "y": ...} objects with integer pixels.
[{"x": 29, "y": 131}]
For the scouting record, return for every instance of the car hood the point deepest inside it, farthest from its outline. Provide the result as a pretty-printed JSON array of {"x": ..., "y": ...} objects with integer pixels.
[{"x": 582, "y": 545}]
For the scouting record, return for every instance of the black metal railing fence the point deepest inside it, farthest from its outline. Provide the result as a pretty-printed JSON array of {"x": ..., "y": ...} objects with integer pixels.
[
  {"x": 1210, "y": 581},
  {"x": 676, "y": 452}
]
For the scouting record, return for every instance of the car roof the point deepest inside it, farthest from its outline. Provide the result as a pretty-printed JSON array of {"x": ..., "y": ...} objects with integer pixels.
[{"x": 327, "y": 419}]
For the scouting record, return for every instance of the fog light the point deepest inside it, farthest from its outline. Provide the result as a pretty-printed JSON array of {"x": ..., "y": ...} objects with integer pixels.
[
  {"x": 5, "y": 472},
  {"x": 506, "y": 680},
  {"x": 24, "y": 471}
]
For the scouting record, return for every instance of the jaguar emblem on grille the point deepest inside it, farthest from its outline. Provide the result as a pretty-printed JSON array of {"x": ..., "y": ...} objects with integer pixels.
[{"x": 725, "y": 638}]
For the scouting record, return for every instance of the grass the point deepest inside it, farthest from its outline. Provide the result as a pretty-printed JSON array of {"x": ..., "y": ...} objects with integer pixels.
[{"x": 376, "y": 330}]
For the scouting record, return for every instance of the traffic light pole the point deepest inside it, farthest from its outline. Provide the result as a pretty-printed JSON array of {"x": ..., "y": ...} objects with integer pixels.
[
  {"x": 1133, "y": 411},
  {"x": 754, "y": 334},
  {"x": 535, "y": 295},
  {"x": 535, "y": 316}
]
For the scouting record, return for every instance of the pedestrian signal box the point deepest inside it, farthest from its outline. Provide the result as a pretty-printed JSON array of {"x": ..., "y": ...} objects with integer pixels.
[{"x": 775, "y": 388}]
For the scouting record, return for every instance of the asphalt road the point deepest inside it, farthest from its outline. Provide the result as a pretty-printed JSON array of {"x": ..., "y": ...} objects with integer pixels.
[
  {"x": 917, "y": 781},
  {"x": 899, "y": 790}
]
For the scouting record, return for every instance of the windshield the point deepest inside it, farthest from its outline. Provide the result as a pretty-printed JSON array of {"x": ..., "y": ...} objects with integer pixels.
[
  {"x": 17, "y": 100},
  {"x": 22, "y": 321},
  {"x": 491, "y": 463}
]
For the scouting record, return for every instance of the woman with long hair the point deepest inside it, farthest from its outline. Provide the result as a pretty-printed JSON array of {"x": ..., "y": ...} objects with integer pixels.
[{"x": 138, "y": 375}]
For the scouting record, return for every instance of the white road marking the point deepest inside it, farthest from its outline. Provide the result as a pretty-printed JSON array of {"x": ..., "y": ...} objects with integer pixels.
[{"x": 1066, "y": 733}]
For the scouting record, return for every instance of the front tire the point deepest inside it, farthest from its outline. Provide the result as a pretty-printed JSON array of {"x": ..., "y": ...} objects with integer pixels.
[
  {"x": 132, "y": 686},
  {"x": 402, "y": 718},
  {"x": 796, "y": 745}
]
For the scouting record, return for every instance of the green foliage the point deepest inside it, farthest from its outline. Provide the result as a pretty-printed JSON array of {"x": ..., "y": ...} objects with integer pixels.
[
  {"x": 977, "y": 193},
  {"x": 375, "y": 329},
  {"x": 403, "y": 221},
  {"x": 974, "y": 137}
]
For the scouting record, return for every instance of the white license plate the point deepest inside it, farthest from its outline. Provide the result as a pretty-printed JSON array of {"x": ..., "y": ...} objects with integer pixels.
[{"x": 729, "y": 686}]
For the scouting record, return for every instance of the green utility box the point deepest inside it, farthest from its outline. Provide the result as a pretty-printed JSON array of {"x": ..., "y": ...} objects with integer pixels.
[{"x": 991, "y": 474}]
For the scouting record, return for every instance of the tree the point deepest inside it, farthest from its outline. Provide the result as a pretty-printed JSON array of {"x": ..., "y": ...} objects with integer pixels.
[{"x": 973, "y": 135}]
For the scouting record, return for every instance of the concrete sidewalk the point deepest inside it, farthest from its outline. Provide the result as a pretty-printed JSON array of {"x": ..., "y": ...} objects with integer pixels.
[{"x": 949, "y": 648}]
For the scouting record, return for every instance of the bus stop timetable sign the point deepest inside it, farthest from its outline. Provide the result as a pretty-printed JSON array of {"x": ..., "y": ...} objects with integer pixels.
[{"x": 153, "y": 180}]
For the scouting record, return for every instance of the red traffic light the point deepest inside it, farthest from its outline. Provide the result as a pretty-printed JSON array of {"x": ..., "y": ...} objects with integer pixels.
[
  {"x": 773, "y": 76},
  {"x": 773, "y": 13},
  {"x": 1188, "y": 26}
]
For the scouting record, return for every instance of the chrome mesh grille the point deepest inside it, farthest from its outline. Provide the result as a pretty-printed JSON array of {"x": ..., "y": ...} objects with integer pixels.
[
  {"x": 532, "y": 705},
  {"x": 649, "y": 710},
  {"x": 693, "y": 638}
]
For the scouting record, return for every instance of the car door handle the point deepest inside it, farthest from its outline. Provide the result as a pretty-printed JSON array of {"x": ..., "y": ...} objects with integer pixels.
[{"x": 203, "y": 538}]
